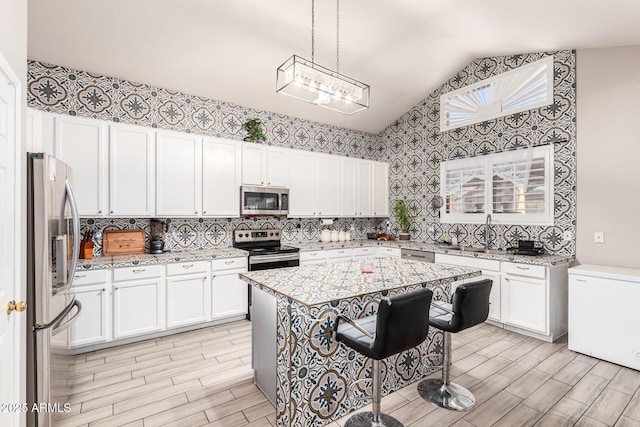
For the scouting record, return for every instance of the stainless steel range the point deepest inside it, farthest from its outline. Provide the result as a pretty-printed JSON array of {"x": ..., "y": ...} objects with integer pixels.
[{"x": 265, "y": 249}]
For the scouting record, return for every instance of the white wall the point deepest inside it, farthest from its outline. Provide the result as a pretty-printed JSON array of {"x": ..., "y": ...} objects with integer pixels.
[{"x": 608, "y": 155}]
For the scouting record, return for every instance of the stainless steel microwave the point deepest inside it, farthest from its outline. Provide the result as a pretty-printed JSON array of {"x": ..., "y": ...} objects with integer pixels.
[{"x": 264, "y": 201}]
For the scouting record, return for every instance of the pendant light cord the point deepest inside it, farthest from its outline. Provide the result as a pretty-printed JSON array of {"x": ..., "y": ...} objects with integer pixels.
[
  {"x": 338, "y": 36},
  {"x": 313, "y": 24}
]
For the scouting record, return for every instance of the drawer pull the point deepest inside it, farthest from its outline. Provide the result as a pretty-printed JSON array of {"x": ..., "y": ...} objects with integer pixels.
[
  {"x": 228, "y": 262},
  {"x": 187, "y": 266},
  {"x": 522, "y": 268},
  {"x": 340, "y": 252},
  {"x": 313, "y": 254},
  {"x": 80, "y": 276},
  {"x": 140, "y": 270},
  {"x": 581, "y": 280}
]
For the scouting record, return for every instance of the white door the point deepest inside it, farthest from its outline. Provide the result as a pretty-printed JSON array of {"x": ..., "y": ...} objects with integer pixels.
[
  {"x": 137, "y": 307},
  {"x": 253, "y": 164},
  {"x": 380, "y": 189},
  {"x": 131, "y": 171},
  {"x": 228, "y": 295},
  {"x": 302, "y": 199},
  {"x": 278, "y": 167},
  {"x": 220, "y": 178},
  {"x": 188, "y": 299},
  {"x": 178, "y": 174},
  {"x": 526, "y": 303},
  {"x": 12, "y": 324},
  {"x": 327, "y": 185},
  {"x": 348, "y": 193},
  {"x": 91, "y": 326},
  {"x": 364, "y": 187}
]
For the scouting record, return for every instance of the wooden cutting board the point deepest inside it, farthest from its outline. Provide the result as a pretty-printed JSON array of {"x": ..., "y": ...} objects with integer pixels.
[{"x": 123, "y": 242}]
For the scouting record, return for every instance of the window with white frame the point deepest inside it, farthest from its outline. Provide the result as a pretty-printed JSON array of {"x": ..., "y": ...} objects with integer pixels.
[
  {"x": 527, "y": 87},
  {"x": 515, "y": 187}
]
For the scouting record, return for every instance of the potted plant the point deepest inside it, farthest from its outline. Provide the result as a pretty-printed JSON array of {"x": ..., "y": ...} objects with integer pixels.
[
  {"x": 403, "y": 216},
  {"x": 254, "y": 130}
]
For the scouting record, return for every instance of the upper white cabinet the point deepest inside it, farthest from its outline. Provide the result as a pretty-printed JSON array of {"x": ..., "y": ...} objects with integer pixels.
[
  {"x": 131, "y": 171},
  {"x": 327, "y": 183},
  {"x": 81, "y": 143},
  {"x": 302, "y": 198},
  {"x": 178, "y": 174},
  {"x": 380, "y": 189},
  {"x": 348, "y": 189},
  {"x": 220, "y": 178},
  {"x": 263, "y": 165},
  {"x": 364, "y": 188}
]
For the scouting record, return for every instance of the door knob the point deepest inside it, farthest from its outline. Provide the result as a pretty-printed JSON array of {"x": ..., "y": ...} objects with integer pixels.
[{"x": 16, "y": 306}]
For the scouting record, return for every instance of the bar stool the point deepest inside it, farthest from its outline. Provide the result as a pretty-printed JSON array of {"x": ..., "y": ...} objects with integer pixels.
[
  {"x": 469, "y": 307},
  {"x": 402, "y": 322}
]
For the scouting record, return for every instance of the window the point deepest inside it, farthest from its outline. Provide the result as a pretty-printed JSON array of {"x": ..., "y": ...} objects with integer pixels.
[
  {"x": 515, "y": 187},
  {"x": 527, "y": 87}
]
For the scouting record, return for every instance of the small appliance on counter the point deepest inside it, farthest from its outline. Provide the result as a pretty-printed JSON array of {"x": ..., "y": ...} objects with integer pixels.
[
  {"x": 527, "y": 247},
  {"x": 157, "y": 228}
]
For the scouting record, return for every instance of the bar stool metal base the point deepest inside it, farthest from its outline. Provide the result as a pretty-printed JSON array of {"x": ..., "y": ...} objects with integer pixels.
[
  {"x": 365, "y": 419},
  {"x": 448, "y": 396}
]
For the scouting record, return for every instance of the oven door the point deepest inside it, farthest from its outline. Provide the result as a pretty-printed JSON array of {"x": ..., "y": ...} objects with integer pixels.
[
  {"x": 266, "y": 262},
  {"x": 263, "y": 201}
]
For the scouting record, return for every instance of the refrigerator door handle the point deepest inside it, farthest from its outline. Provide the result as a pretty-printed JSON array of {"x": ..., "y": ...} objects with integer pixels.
[
  {"x": 60, "y": 317},
  {"x": 75, "y": 218},
  {"x": 59, "y": 328}
]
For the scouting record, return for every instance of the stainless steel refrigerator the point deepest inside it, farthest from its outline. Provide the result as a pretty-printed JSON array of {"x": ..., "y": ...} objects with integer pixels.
[{"x": 53, "y": 246}]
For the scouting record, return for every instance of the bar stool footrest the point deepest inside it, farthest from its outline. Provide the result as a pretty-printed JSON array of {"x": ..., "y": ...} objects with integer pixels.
[
  {"x": 365, "y": 419},
  {"x": 448, "y": 396}
]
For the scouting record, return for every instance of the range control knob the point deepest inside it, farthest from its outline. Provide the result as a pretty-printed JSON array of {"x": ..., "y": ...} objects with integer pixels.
[
  {"x": 277, "y": 234},
  {"x": 246, "y": 235},
  {"x": 270, "y": 234}
]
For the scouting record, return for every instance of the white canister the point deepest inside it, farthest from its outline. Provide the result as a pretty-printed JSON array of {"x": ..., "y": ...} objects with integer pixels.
[
  {"x": 342, "y": 236},
  {"x": 334, "y": 235},
  {"x": 347, "y": 236},
  {"x": 325, "y": 235}
]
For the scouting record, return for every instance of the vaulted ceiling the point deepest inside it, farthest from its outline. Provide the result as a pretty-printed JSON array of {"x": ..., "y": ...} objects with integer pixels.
[{"x": 229, "y": 49}]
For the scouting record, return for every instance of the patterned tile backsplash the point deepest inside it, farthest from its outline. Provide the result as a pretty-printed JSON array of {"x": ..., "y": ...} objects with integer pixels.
[
  {"x": 210, "y": 233},
  {"x": 412, "y": 145}
]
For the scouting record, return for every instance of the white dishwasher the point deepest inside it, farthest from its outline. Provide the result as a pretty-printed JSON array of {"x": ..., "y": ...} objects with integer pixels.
[{"x": 604, "y": 313}]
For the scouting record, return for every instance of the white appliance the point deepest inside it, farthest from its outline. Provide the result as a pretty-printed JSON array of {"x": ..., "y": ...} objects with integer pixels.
[
  {"x": 53, "y": 246},
  {"x": 603, "y": 313}
]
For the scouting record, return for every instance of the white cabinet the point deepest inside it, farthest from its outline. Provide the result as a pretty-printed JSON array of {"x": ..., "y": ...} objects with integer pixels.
[
  {"x": 340, "y": 254},
  {"x": 490, "y": 269},
  {"x": 92, "y": 289},
  {"x": 220, "y": 178},
  {"x": 364, "y": 188},
  {"x": 385, "y": 251},
  {"x": 81, "y": 143},
  {"x": 228, "y": 292},
  {"x": 367, "y": 252},
  {"x": 131, "y": 171},
  {"x": 178, "y": 174},
  {"x": 138, "y": 296},
  {"x": 302, "y": 198},
  {"x": 380, "y": 189},
  {"x": 265, "y": 166},
  {"x": 327, "y": 183},
  {"x": 348, "y": 187},
  {"x": 188, "y": 293},
  {"x": 313, "y": 257},
  {"x": 526, "y": 302}
]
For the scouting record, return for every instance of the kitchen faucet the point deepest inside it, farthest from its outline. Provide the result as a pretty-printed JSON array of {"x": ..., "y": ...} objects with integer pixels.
[{"x": 487, "y": 232}]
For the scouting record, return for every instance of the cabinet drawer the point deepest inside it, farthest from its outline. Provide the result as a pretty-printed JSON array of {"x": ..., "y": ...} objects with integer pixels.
[
  {"x": 137, "y": 272},
  {"x": 313, "y": 256},
  {"x": 391, "y": 252},
  {"x": 370, "y": 251},
  {"x": 463, "y": 261},
  {"x": 537, "y": 271},
  {"x": 229, "y": 263},
  {"x": 339, "y": 253},
  {"x": 187, "y": 267},
  {"x": 90, "y": 277}
]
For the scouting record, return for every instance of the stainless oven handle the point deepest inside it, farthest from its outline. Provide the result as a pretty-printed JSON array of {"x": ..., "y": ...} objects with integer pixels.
[{"x": 263, "y": 259}]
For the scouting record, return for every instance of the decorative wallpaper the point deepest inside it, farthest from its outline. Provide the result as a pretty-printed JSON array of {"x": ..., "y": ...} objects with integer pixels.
[
  {"x": 414, "y": 146},
  {"x": 64, "y": 90},
  {"x": 211, "y": 233}
]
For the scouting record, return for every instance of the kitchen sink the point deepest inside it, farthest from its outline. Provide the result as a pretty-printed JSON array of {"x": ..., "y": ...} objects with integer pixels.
[{"x": 478, "y": 250}]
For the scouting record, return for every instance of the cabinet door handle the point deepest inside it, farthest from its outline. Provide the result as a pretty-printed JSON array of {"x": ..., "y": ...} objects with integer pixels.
[
  {"x": 268, "y": 183},
  {"x": 581, "y": 280},
  {"x": 522, "y": 268},
  {"x": 104, "y": 290},
  {"x": 116, "y": 288},
  {"x": 112, "y": 212},
  {"x": 196, "y": 212},
  {"x": 204, "y": 212},
  {"x": 187, "y": 265},
  {"x": 340, "y": 252},
  {"x": 313, "y": 254},
  {"x": 99, "y": 212},
  {"x": 139, "y": 270},
  {"x": 261, "y": 182}
]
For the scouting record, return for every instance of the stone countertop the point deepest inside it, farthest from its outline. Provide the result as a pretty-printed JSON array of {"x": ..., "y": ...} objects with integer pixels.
[
  {"x": 164, "y": 258},
  {"x": 437, "y": 248},
  {"x": 322, "y": 283}
]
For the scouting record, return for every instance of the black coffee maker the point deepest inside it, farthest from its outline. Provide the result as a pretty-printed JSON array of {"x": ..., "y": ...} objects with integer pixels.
[{"x": 157, "y": 228}]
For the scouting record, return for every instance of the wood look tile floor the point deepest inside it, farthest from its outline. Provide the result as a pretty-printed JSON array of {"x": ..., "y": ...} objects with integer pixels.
[{"x": 204, "y": 378}]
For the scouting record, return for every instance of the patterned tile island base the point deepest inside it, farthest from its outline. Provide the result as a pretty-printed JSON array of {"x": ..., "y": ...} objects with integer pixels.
[{"x": 314, "y": 372}]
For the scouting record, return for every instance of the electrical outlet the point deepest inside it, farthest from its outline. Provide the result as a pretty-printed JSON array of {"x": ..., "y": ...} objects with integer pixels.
[
  {"x": 598, "y": 237},
  {"x": 566, "y": 235}
]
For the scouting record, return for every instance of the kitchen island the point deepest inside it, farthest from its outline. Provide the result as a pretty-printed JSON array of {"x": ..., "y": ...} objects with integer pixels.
[{"x": 298, "y": 363}]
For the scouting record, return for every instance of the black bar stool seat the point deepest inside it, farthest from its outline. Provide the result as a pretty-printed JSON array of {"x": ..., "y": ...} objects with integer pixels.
[{"x": 402, "y": 322}]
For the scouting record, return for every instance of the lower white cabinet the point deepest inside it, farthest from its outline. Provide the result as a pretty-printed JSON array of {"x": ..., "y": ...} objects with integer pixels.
[
  {"x": 138, "y": 301},
  {"x": 366, "y": 252},
  {"x": 313, "y": 257},
  {"x": 93, "y": 290},
  {"x": 526, "y": 302},
  {"x": 228, "y": 292},
  {"x": 188, "y": 293},
  {"x": 339, "y": 254},
  {"x": 385, "y": 251}
]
